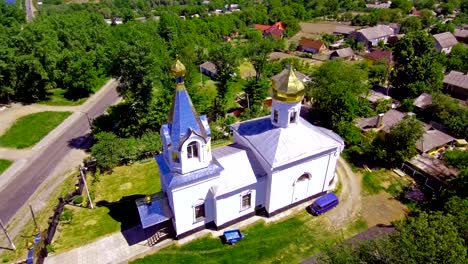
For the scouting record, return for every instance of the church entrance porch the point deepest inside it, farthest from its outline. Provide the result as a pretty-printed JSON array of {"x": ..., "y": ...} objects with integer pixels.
[{"x": 301, "y": 187}]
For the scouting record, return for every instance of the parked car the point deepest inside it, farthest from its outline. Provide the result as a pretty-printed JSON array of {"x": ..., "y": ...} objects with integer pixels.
[
  {"x": 324, "y": 203},
  {"x": 233, "y": 236}
]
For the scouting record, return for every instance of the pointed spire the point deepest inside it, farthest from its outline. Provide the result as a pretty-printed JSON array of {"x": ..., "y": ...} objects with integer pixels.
[{"x": 287, "y": 87}]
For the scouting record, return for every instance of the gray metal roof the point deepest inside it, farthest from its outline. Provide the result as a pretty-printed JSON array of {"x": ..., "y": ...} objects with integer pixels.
[
  {"x": 378, "y": 31},
  {"x": 423, "y": 101},
  {"x": 456, "y": 78},
  {"x": 344, "y": 53},
  {"x": 279, "y": 146},
  {"x": 433, "y": 139},
  {"x": 445, "y": 40},
  {"x": 155, "y": 212},
  {"x": 208, "y": 65},
  {"x": 461, "y": 33}
]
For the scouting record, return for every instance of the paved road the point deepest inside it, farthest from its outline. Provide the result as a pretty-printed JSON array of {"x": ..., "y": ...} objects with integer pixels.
[{"x": 18, "y": 191}]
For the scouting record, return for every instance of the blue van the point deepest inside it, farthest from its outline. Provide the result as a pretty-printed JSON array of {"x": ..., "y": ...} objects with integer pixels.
[{"x": 324, "y": 203}]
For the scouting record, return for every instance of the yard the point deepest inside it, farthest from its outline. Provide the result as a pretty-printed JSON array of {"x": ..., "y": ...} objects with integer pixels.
[
  {"x": 57, "y": 96},
  {"x": 114, "y": 200},
  {"x": 4, "y": 164},
  {"x": 288, "y": 241},
  {"x": 30, "y": 129}
]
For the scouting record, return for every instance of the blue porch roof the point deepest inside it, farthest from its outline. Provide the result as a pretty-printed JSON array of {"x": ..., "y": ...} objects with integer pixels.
[{"x": 154, "y": 213}]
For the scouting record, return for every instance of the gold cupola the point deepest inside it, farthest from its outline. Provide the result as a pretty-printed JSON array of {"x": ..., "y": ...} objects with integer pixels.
[
  {"x": 287, "y": 87},
  {"x": 178, "y": 70}
]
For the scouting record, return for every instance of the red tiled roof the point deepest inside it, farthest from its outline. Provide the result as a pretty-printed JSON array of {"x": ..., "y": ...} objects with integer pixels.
[
  {"x": 311, "y": 43},
  {"x": 384, "y": 55}
]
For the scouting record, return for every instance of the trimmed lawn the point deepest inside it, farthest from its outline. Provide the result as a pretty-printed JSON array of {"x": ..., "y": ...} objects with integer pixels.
[
  {"x": 57, "y": 96},
  {"x": 30, "y": 129},
  {"x": 288, "y": 241},
  {"x": 4, "y": 164},
  {"x": 377, "y": 181},
  {"x": 114, "y": 204}
]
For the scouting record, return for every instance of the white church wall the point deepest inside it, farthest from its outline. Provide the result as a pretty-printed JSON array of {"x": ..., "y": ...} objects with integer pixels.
[
  {"x": 229, "y": 206},
  {"x": 243, "y": 142},
  {"x": 204, "y": 155},
  {"x": 261, "y": 192},
  {"x": 284, "y": 111},
  {"x": 331, "y": 169},
  {"x": 185, "y": 199},
  {"x": 283, "y": 182}
]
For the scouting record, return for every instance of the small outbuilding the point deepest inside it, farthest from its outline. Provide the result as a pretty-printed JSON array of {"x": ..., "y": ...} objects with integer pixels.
[
  {"x": 456, "y": 84},
  {"x": 312, "y": 45},
  {"x": 445, "y": 41},
  {"x": 345, "y": 53},
  {"x": 209, "y": 69}
]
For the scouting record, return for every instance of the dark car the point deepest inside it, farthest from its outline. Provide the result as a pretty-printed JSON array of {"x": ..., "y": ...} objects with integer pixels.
[{"x": 324, "y": 203}]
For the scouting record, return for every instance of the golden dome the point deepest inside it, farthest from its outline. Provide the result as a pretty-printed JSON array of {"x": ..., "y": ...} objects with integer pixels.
[
  {"x": 178, "y": 69},
  {"x": 287, "y": 87}
]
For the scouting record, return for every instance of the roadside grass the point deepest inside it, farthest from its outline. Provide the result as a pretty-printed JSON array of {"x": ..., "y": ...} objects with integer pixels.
[
  {"x": 57, "y": 96},
  {"x": 288, "y": 241},
  {"x": 114, "y": 204},
  {"x": 30, "y": 129},
  {"x": 4, "y": 164},
  {"x": 383, "y": 180},
  {"x": 42, "y": 218}
]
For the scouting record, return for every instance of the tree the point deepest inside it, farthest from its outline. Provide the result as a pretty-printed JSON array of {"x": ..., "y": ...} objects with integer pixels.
[
  {"x": 400, "y": 143},
  {"x": 458, "y": 58},
  {"x": 413, "y": 45},
  {"x": 257, "y": 91},
  {"x": 411, "y": 24},
  {"x": 335, "y": 92},
  {"x": 257, "y": 52},
  {"x": 451, "y": 114},
  {"x": 404, "y": 5}
]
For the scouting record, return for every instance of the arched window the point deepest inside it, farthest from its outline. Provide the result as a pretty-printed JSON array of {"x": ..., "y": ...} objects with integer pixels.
[
  {"x": 192, "y": 150},
  {"x": 305, "y": 176}
]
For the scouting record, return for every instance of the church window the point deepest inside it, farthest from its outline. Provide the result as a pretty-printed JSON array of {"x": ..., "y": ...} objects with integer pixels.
[
  {"x": 199, "y": 212},
  {"x": 275, "y": 116},
  {"x": 246, "y": 201},
  {"x": 192, "y": 150},
  {"x": 292, "y": 117},
  {"x": 305, "y": 176}
]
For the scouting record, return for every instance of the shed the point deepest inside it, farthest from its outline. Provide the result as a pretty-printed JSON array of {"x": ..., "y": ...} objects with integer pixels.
[
  {"x": 312, "y": 45},
  {"x": 423, "y": 101},
  {"x": 445, "y": 41},
  {"x": 456, "y": 83},
  {"x": 209, "y": 69},
  {"x": 345, "y": 53},
  {"x": 432, "y": 140}
]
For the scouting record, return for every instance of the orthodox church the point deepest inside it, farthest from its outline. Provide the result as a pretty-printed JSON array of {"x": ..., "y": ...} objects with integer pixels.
[{"x": 274, "y": 163}]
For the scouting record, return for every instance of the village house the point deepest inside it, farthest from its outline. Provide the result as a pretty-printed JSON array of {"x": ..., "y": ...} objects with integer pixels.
[
  {"x": 445, "y": 41},
  {"x": 456, "y": 84},
  {"x": 312, "y": 45},
  {"x": 380, "y": 55},
  {"x": 346, "y": 53},
  {"x": 275, "y": 31},
  {"x": 423, "y": 101},
  {"x": 379, "y": 5},
  {"x": 461, "y": 34},
  {"x": 371, "y": 36},
  {"x": 274, "y": 163},
  {"x": 209, "y": 69}
]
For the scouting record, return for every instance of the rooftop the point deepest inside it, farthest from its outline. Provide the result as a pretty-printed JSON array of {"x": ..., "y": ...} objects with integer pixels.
[
  {"x": 445, "y": 40},
  {"x": 209, "y": 66},
  {"x": 461, "y": 33},
  {"x": 344, "y": 30},
  {"x": 344, "y": 53},
  {"x": 456, "y": 78},
  {"x": 374, "y": 96},
  {"x": 380, "y": 55},
  {"x": 311, "y": 43},
  {"x": 278, "y": 146},
  {"x": 390, "y": 118},
  {"x": 375, "y": 32},
  {"x": 432, "y": 139},
  {"x": 432, "y": 166},
  {"x": 423, "y": 101}
]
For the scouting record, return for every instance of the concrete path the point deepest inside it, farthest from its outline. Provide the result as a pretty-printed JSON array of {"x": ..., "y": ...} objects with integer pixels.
[
  {"x": 115, "y": 249},
  {"x": 27, "y": 174}
]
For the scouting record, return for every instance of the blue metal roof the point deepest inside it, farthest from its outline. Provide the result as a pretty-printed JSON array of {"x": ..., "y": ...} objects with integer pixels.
[
  {"x": 184, "y": 118},
  {"x": 173, "y": 179},
  {"x": 326, "y": 199},
  {"x": 154, "y": 213}
]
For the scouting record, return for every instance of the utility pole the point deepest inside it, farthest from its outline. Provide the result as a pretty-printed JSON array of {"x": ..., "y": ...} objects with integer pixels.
[
  {"x": 86, "y": 187},
  {"x": 34, "y": 217},
  {"x": 8, "y": 236}
]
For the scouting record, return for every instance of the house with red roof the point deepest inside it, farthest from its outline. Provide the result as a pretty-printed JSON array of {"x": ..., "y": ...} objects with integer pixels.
[
  {"x": 312, "y": 45},
  {"x": 275, "y": 31}
]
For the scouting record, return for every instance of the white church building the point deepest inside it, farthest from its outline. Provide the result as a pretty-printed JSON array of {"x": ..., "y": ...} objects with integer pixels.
[{"x": 274, "y": 163}]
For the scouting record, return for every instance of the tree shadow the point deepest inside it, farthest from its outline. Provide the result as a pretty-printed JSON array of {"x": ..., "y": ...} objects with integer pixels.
[
  {"x": 82, "y": 142},
  {"x": 125, "y": 211}
]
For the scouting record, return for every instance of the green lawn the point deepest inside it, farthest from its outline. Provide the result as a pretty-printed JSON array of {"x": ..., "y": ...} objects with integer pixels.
[
  {"x": 30, "y": 129},
  {"x": 4, "y": 164},
  {"x": 288, "y": 241},
  {"x": 383, "y": 180},
  {"x": 114, "y": 203},
  {"x": 57, "y": 96}
]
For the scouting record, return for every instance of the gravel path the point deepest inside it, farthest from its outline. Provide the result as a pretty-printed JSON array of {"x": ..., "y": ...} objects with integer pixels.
[{"x": 350, "y": 197}]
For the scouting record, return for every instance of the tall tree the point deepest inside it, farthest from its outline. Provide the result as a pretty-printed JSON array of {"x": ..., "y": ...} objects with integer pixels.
[{"x": 400, "y": 143}]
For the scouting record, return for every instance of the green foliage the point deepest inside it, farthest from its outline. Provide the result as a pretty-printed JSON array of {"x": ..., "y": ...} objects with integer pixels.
[
  {"x": 449, "y": 112},
  {"x": 30, "y": 129},
  {"x": 336, "y": 88},
  {"x": 78, "y": 199},
  {"x": 442, "y": 27},
  {"x": 407, "y": 105},
  {"x": 371, "y": 183},
  {"x": 404, "y": 5},
  {"x": 457, "y": 158},
  {"x": 377, "y": 16},
  {"x": 110, "y": 150},
  {"x": 411, "y": 24},
  {"x": 4, "y": 164},
  {"x": 458, "y": 58},
  {"x": 400, "y": 142},
  {"x": 257, "y": 91},
  {"x": 67, "y": 216}
]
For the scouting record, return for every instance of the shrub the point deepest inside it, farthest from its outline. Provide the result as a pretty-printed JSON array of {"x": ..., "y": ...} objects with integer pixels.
[
  {"x": 67, "y": 216},
  {"x": 78, "y": 199}
]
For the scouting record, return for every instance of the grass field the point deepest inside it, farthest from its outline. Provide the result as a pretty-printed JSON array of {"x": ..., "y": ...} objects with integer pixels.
[
  {"x": 57, "y": 96},
  {"x": 4, "y": 164},
  {"x": 288, "y": 241},
  {"x": 114, "y": 201},
  {"x": 383, "y": 180},
  {"x": 30, "y": 129}
]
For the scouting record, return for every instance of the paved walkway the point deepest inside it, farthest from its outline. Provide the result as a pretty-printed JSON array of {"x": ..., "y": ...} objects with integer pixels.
[{"x": 115, "y": 249}]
